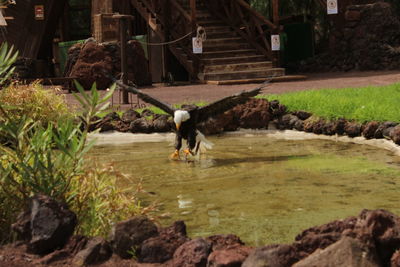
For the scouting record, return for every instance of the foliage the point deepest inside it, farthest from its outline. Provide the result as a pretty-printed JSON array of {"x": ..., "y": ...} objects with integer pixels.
[
  {"x": 360, "y": 104},
  {"x": 50, "y": 159},
  {"x": 40, "y": 104},
  {"x": 7, "y": 59}
]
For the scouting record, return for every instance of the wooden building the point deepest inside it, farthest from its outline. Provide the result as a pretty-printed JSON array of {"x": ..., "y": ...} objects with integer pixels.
[{"x": 235, "y": 40}]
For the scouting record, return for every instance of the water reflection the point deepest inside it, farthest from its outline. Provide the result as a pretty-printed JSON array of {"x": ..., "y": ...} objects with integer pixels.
[{"x": 263, "y": 190}]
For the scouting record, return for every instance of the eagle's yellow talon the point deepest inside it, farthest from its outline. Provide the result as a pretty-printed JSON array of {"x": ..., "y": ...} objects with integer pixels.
[
  {"x": 187, "y": 152},
  {"x": 175, "y": 155}
]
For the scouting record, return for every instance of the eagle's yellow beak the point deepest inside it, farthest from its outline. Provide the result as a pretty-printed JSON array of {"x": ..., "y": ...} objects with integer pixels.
[{"x": 178, "y": 125}]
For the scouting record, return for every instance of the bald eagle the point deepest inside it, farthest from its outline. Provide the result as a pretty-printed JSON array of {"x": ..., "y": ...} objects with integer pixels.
[{"x": 187, "y": 117}]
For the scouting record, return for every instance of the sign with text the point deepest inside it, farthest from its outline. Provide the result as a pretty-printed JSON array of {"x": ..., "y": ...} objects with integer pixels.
[
  {"x": 332, "y": 6},
  {"x": 275, "y": 42},
  {"x": 197, "y": 45},
  {"x": 39, "y": 12}
]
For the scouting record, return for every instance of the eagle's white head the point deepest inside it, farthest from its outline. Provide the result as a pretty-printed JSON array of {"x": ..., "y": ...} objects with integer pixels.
[{"x": 180, "y": 116}]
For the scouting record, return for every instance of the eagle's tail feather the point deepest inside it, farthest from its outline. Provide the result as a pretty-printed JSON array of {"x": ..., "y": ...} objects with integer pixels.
[{"x": 202, "y": 142}]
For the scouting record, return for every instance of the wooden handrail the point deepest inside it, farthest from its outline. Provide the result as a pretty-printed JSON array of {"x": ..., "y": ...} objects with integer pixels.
[
  {"x": 180, "y": 9},
  {"x": 255, "y": 13}
]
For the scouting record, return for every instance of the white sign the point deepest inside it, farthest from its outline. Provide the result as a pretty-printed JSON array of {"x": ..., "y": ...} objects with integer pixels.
[
  {"x": 332, "y": 6},
  {"x": 197, "y": 45},
  {"x": 275, "y": 42}
]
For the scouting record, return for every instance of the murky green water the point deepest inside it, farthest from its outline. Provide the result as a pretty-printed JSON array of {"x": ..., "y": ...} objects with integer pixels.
[{"x": 262, "y": 189}]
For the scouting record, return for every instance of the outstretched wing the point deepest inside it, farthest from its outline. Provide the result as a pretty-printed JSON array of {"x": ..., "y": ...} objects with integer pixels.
[
  {"x": 227, "y": 103},
  {"x": 148, "y": 99}
]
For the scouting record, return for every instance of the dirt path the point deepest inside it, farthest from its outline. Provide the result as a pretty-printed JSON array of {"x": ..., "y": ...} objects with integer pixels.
[{"x": 206, "y": 92}]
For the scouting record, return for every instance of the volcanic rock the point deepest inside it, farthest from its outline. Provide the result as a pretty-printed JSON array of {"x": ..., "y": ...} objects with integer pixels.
[
  {"x": 50, "y": 225},
  {"x": 346, "y": 252},
  {"x": 127, "y": 235},
  {"x": 370, "y": 129},
  {"x": 141, "y": 126},
  {"x": 272, "y": 256},
  {"x": 162, "y": 123},
  {"x": 193, "y": 253},
  {"x": 395, "y": 134},
  {"x": 130, "y": 115},
  {"x": 161, "y": 248},
  {"x": 352, "y": 129},
  {"x": 229, "y": 257},
  {"x": 96, "y": 250}
]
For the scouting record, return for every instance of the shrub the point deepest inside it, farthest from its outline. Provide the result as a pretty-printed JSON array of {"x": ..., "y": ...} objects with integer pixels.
[
  {"x": 39, "y": 104},
  {"x": 50, "y": 159}
]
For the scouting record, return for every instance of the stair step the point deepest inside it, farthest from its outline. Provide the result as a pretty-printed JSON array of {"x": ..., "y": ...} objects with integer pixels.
[
  {"x": 233, "y": 60},
  {"x": 237, "y": 66},
  {"x": 215, "y": 29},
  {"x": 223, "y": 41},
  {"x": 227, "y": 53},
  {"x": 222, "y": 34},
  {"x": 224, "y": 47},
  {"x": 247, "y": 74}
]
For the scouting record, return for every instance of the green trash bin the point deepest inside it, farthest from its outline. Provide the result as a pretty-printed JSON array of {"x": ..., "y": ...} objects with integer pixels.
[{"x": 63, "y": 48}]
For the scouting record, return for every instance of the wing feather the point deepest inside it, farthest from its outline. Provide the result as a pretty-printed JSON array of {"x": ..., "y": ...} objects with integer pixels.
[
  {"x": 227, "y": 103},
  {"x": 147, "y": 98}
]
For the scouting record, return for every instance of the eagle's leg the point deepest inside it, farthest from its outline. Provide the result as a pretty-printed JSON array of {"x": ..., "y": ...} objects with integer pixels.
[
  {"x": 191, "y": 140},
  {"x": 178, "y": 145}
]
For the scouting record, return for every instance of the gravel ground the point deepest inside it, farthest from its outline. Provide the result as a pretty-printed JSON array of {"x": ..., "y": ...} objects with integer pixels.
[{"x": 206, "y": 92}]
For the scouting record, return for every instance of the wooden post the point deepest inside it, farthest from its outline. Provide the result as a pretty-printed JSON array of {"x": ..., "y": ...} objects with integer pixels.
[
  {"x": 167, "y": 32},
  {"x": 124, "y": 63},
  {"x": 194, "y": 34},
  {"x": 275, "y": 17}
]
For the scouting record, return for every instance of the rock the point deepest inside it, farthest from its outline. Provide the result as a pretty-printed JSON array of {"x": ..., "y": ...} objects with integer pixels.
[
  {"x": 339, "y": 126},
  {"x": 130, "y": 115},
  {"x": 192, "y": 254},
  {"x": 76, "y": 243},
  {"x": 370, "y": 129},
  {"x": 382, "y": 229},
  {"x": 162, "y": 123},
  {"x": 395, "y": 260},
  {"x": 96, "y": 251},
  {"x": 219, "y": 242},
  {"x": 147, "y": 113},
  {"x": 141, "y": 126},
  {"x": 346, "y": 252},
  {"x": 51, "y": 224},
  {"x": 272, "y": 256},
  {"x": 161, "y": 248},
  {"x": 352, "y": 129},
  {"x": 254, "y": 114},
  {"x": 352, "y": 15},
  {"x": 92, "y": 64},
  {"x": 395, "y": 135},
  {"x": 383, "y": 131},
  {"x": 231, "y": 257},
  {"x": 299, "y": 125},
  {"x": 302, "y": 115},
  {"x": 129, "y": 235},
  {"x": 320, "y": 237},
  {"x": 328, "y": 128},
  {"x": 211, "y": 126},
  {"x": 288, "y": 121}
]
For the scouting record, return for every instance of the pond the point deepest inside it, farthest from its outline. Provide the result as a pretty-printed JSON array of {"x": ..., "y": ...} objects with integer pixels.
[{"x": 262, "y": 189}]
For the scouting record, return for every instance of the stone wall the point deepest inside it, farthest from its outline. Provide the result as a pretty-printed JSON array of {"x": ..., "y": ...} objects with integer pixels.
[{"x": 369, "y": 39}]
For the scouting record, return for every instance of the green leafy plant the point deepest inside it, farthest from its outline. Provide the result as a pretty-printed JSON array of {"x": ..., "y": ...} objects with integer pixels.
[
  {"x": 7, "y": 58},
  {"x": 52, "y": 159},
  {"x": 33, "y": 100}
]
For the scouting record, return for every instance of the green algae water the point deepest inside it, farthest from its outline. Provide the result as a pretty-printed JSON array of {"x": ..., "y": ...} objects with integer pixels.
[{"x": 261, "y": 189}]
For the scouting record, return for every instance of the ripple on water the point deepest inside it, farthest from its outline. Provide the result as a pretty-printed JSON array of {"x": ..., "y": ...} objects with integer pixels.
[{"x": 262, "y": 189}]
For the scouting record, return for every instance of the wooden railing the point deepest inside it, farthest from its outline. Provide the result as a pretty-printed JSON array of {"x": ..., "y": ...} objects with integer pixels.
[
  {"x": 250, "y": 24},
  {"x": 176, "y": 22}
]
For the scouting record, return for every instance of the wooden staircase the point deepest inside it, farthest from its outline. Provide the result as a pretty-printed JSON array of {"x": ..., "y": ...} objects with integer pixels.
[{"x": 227, "y": 54}]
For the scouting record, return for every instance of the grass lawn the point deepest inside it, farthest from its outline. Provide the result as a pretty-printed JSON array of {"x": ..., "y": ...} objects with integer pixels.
[{"x": 360, "y": 104}]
